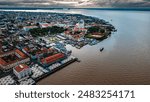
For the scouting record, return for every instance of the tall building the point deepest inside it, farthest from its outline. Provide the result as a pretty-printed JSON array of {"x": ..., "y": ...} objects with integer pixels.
[{"x": 80, "y": 24}]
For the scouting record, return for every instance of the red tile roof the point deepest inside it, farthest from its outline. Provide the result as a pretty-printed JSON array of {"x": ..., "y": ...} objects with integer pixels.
[
  {"x": 44, "y": 50},
  {"x": 2, "y": 62},
  {"x": 21, "y": 53},
  {"x": 53, "y": 58},
  {"x": 26, "y": 49},
  {"x": 21, "y": 67}
]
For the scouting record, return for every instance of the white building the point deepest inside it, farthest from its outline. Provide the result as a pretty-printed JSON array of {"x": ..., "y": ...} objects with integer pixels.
[
  {"x": 81, "y": 24},
  {"x": 22, "y": 71}
]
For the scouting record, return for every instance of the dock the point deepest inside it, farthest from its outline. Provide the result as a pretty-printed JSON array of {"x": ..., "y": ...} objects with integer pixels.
[{"x": 55, "y": 70}]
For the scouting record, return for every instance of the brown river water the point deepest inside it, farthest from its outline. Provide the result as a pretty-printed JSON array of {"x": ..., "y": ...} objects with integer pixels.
[{"x": 125, "y": 59}]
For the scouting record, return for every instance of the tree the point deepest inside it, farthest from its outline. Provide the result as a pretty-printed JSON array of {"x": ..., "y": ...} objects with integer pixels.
[
  {"x": 45, "y": 31},
  {"x": 20, "y": 26},
  {"x": 102, "y": 31},
  {"x": 93, "y": 29}
]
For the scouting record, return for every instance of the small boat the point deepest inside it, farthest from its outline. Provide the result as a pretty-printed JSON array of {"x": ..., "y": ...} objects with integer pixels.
[{"x": 101, "y": 49}]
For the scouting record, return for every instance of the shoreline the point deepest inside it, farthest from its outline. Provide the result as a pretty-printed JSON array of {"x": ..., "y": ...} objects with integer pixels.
[
  {"x": 40, "y": 77},
  {"x": 81, "y": 41},
  {"x": 72, "y": 8}
]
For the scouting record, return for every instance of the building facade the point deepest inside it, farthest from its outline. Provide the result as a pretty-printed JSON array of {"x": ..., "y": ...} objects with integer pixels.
[{"x": 22, "y": 71}]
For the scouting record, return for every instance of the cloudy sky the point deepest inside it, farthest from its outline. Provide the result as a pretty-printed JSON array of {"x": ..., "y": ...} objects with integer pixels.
[{"x": 75, "y": 3}]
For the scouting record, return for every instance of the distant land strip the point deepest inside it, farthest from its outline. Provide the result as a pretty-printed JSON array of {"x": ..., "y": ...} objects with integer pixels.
[{"x": 42, "y": 8}]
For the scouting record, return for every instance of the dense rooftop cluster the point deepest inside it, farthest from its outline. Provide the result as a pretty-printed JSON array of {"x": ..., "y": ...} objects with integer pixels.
[{"x": 35, "y": 38}]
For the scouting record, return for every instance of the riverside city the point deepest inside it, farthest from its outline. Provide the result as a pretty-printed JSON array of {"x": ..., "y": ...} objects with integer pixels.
[{"x": 32, "y": 44}]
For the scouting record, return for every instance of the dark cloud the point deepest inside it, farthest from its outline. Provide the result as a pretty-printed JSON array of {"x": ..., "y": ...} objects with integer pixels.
[{"x": 80, "y": 3}]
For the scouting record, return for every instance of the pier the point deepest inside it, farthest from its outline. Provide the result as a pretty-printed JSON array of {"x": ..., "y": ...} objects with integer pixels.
[{"x": 55, "y": 69}]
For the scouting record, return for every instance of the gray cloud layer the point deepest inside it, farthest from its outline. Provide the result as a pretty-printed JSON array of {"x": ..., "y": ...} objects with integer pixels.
[{"x": 76, "y": 3}]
